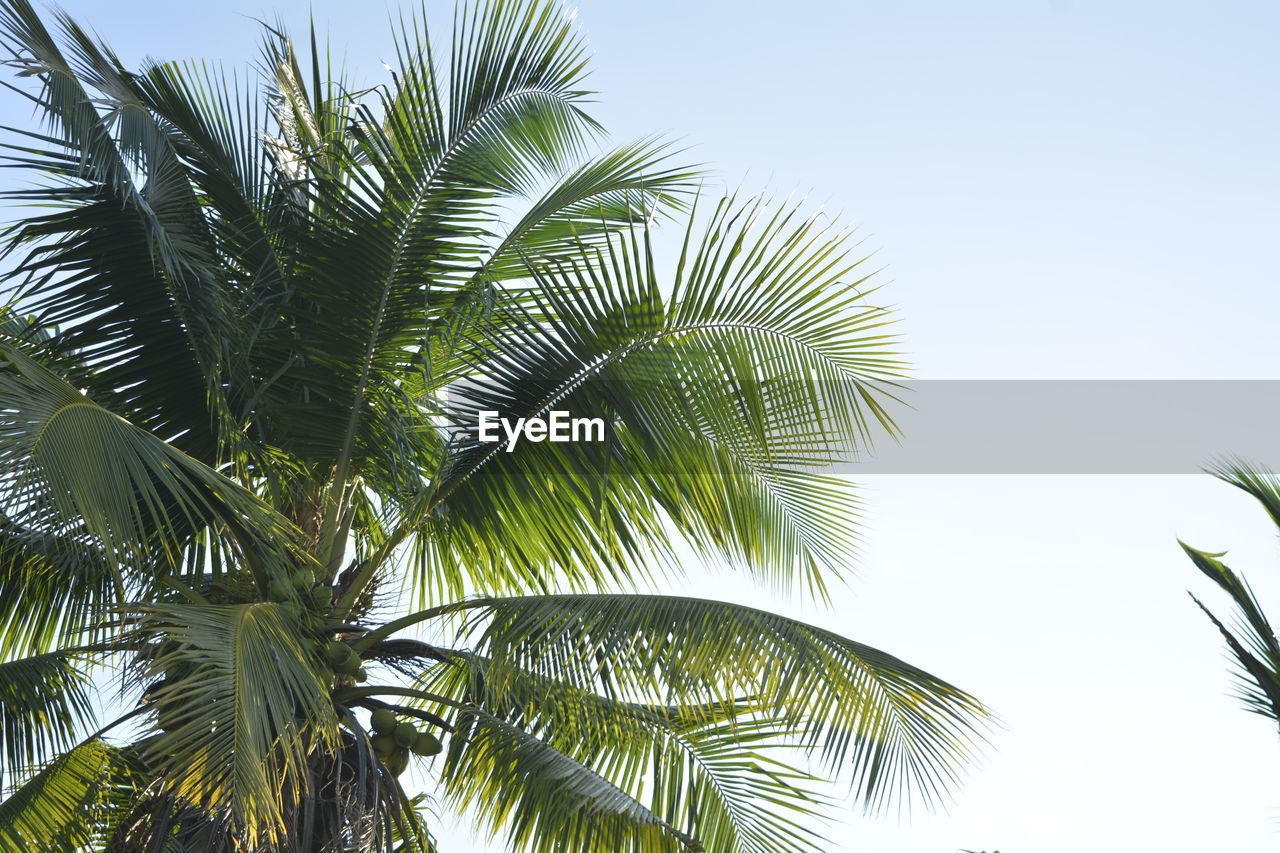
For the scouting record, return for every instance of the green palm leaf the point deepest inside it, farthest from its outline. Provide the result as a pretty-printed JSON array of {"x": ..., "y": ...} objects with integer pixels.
[
  {"x": 894, "y": 730},
  {"x": 688, "y": 707},
  {"x": 605, "y": 195},
  {"x": 719, "y": 773},
  {"x": 724, "y": 407},
  {"x": 119, "y": 269},
  {"x": 549, "y": 801},
  {"x": 44, "y": 701},
  {"x": 1252, "y": 643},
  {"x": 240, "y": 704},
  {"x": 53, "y": 590},
  {"x": 52, "y": 810},
  {"x": 139, "y": 497},
  {"x": 242, "y": 355}
]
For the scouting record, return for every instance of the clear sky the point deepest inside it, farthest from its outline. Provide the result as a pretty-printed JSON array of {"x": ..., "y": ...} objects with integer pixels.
[{"x": 1056, "y": 189}]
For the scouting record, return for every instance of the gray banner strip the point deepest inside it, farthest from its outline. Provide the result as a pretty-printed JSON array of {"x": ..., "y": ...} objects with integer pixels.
[{"x": 1077, "y": 427}]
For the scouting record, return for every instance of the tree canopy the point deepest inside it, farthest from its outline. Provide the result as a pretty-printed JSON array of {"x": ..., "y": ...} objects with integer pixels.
[{"x": 254, "y": 558}]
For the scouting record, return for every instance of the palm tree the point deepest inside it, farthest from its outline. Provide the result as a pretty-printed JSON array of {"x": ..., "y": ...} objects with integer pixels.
[
  {"x": 255, "y": 558},
  {"x": 1253, "y": 642}
]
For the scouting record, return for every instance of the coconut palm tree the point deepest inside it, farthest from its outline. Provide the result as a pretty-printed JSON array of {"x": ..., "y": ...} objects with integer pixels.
[
  {"x": 1253, "y": 642},
  {"x": 256, "y": 559}
]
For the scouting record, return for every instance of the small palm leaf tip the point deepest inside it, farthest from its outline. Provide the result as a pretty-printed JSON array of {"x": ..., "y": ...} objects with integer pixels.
[
  {"x": 252, "y": 325},
  {"x": 1250, "y": 639}
]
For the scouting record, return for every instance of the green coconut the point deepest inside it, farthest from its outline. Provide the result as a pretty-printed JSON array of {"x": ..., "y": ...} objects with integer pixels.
[
  {"x": 384, "y": 721},
  {"x": 406, "y": 734},
  {"x": 398, "y": 762},
  {"x": 426, "y": 744},
  {"x": 360, "y": 676},
  {"x": 321, "y": 596},
  {"x": 339, "y": 654},
  {"x": 302, "y": 580},
  {"x": 350, "y": 666},
  {"x": 384, "y": 746},
  {"x": 278, "y": 590}
]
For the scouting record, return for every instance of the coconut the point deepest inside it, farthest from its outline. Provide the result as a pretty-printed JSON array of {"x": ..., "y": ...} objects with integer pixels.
[
  {"x": 350, "y": 666},
  {"x": 321, "y": 596},
  {"x": 398, "y": 762},
  {"x": 278, "y": 590},
  {"x": 406, "y": 734},
  {"x": 360, "y": 676},
  {"x": 426, "y": 744},
  {"x": 338, "y": 654},
  {"x": 384, "y": 746},
  {"x": 302, "y": 580},
  {"x": 383, "y": 720}
]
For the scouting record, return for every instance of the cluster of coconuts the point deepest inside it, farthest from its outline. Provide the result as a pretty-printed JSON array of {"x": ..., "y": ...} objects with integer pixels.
[
  {"x": 301, "y": 584},
  {"x": 345, "y": 662},
  {"x": 394, "y": 739}
]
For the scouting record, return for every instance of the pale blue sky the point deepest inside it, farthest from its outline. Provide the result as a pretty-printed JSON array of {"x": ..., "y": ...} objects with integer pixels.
[
  {"x": 1071, "y": 189},
  {"x": 1062, "y": 189}
]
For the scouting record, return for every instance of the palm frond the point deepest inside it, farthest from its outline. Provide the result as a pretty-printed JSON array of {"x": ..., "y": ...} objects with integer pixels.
[
  {"x": 139, "y": 497},
  {"x": 609, "y": 193},
  {"x": 242, "y": 358},
  {"x": 897, "y": 732},
  {"x": 726, "y": 391},
  {"x": 125, "y": 269},
  {"x": 549, "y": 802},
  {"x": 1260, "y": 483},
  {"x": 515, "y": 97},
  {"x": 54, "y": 590},
  {"x": 53, "y": 810},
  {"x": 44, "y": 701},
  {"x": 1253, "y": 644},
  {"x": 241, "y": 703},
  {"x": 718, "y": 773}
]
